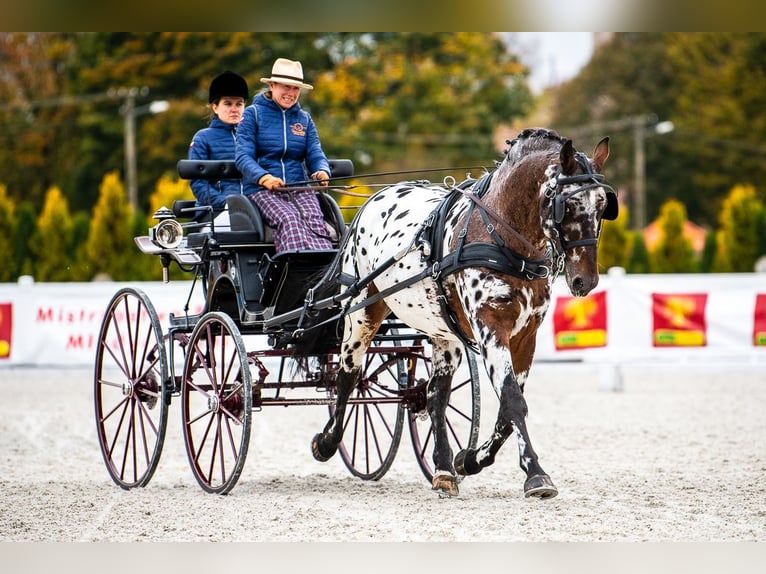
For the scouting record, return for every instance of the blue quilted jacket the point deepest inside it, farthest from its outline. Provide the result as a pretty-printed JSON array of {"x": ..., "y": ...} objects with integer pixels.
[
  {"x": 216, "y": 141},
  {"x": 284, "y": 143}
]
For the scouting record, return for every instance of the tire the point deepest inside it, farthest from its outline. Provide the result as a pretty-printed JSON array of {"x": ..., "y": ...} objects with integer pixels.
[
  {"x": 216, "y": 403},
  {"x": 131, "y": 389}
]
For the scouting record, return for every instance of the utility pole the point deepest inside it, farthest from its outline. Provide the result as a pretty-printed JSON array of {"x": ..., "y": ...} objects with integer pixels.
[{"x": 130, "y": 147}]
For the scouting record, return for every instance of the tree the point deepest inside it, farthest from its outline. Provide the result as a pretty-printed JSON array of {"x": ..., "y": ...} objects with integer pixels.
[
  {"x": 52, "y": 241},
  {"x": 738, "y": 235},
  {"x": 720, "y": 113},
  {"x": 639, "y": 255},
  {"x": 110, "y": 246},
  {"x": 167, "y": 191},
  {"x": 614, "y": 244},
  {"x": 414, "y": 99},
  {"x": 712, "y": 86},
  {"x": 674, "y": 252},
  {"x": 7, "y": 209},
  {"x": 24, "y": 225}
]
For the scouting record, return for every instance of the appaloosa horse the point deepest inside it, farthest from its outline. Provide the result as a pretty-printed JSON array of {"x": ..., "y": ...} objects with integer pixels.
[{"x": 471, "y": 265}]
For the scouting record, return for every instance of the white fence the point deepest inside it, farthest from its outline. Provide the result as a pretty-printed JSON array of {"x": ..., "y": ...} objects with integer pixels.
[{"x": 671, "y": 318}]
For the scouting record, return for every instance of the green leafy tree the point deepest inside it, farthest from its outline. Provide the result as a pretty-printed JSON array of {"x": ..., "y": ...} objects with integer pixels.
[
  {"x": 740, "y": 223},
  {"x": 712, "y": 86},
  {"x": 720, "y": 113},
  {"x": 674, "y": 252},
  {"x": 52, "y": 241},
  {"x": 418, "y": 98},
  {"x": 7, "y": 209},
  {"x": 110, "y": 248}
]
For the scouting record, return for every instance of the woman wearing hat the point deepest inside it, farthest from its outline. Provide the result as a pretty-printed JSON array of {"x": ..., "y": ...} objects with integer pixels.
[
  {"x": 227, "y": 96},
  {"x": 278, "y": 144}
]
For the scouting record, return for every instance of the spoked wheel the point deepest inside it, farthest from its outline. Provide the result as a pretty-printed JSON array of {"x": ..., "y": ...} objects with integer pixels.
[
  {"x": 130, "y": 382},
  {"x": 462, "y": 415},
  {"x": 216, "y": 403},
  {"x": 372, "y": 428}
]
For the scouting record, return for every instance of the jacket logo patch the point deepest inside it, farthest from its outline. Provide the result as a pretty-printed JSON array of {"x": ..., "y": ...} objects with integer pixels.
[{"x": 298, "y": 129}]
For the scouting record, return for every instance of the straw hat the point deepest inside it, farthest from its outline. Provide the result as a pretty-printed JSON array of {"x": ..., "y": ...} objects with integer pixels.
[{"x": 288, "y": 72}]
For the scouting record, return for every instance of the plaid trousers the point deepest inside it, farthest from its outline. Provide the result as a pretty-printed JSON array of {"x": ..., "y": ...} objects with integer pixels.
[{"x": 295, "y": 219}]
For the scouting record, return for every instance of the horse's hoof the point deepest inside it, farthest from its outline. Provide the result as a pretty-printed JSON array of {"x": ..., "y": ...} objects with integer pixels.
[
  {"x": 540, "y": 486},
  {"x": 316, "y": 449},
  {"x": 445, "y": 485},
  {"x": 465, "y": 465}
]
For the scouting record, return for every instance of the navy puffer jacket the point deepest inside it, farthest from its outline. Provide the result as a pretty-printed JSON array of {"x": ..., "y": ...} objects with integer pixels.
[
  {"x": 216, "y": 141},
  {"x": 284, "y": 143}
]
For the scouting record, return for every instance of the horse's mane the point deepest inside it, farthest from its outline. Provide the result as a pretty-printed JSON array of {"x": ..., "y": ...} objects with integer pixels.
[{"x": 531, "y": 140}]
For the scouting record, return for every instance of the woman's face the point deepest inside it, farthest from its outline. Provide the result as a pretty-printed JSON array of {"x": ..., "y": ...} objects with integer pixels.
[
  {"x": 284, "y": 95},
  {"x": 229, "y": 109}
]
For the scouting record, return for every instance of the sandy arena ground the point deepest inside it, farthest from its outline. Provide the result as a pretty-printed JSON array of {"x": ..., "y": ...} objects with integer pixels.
[{"x": 678, "y": 455}]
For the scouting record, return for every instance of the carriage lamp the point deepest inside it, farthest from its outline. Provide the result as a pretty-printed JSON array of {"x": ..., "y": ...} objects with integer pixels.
[{"x": 168, "y": 233}]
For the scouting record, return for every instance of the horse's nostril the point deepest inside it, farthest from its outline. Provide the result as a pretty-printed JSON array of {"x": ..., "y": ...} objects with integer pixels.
[{"x": 577, "y": 284}]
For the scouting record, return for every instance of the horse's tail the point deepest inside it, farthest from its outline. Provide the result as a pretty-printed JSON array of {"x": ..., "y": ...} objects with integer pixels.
[{"x": 320, "y": 329}]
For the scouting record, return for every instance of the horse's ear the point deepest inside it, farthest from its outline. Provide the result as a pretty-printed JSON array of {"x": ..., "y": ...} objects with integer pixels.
[
  {"x": 601, "y": 153},
  {"x": 567, "y": 157}
]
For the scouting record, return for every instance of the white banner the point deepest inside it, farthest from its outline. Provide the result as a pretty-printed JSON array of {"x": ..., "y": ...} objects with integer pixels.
[{"x": 57, "y": 324}]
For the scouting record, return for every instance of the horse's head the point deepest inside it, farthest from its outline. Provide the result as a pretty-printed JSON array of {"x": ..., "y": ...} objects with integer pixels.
[{"x": 575, "y": 200}]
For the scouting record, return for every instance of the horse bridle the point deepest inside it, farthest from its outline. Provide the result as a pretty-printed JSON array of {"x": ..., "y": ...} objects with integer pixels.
[{"x": 589, "y": 180}]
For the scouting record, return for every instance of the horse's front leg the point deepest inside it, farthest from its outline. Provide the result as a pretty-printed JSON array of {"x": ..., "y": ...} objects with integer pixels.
[{"x": 511, "y": 417}]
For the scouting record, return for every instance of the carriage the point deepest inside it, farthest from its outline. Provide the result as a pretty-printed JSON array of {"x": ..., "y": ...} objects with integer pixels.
[
  {"x": 384, "y": 328},
  {"x": 252, "y": 296}
]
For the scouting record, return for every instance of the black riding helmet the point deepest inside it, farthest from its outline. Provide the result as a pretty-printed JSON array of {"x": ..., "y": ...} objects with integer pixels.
[{"x": 228, "y": 84}]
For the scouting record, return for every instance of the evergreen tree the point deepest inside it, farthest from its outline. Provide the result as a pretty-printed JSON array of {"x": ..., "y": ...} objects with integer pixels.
[
  {"x": 674, "y": 252},
  {"x": 614, "y": 244},
  {"x": 110, "y": 246},
  {"x": 639, "y": 255},
  {"x": 738, "y": 236},
  {"x": 23, "y": 229},
  {"x": 52, "y": 241},
  {"x": 80, "y": 228},
  {"x": 7, "y": 209},
  {"x": 708, "y": 252}
]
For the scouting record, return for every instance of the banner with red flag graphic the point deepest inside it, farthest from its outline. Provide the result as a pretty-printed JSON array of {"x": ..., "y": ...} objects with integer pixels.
[
  {"x": 759, "y": 321},
  {"x": 6, "y": 328},
  {"x": 580, "y": 322},
  {"x": 679, "y": 319}
]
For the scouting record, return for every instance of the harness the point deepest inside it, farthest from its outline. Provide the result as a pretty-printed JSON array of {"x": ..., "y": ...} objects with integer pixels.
[{"x": 429, "y": 238}]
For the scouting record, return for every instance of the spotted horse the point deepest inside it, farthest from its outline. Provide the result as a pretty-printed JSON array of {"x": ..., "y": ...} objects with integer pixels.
[{"x": 470, "y": 264}]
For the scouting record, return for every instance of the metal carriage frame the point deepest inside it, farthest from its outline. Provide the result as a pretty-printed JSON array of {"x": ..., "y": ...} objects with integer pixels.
[{"x": 251, "y": 294}]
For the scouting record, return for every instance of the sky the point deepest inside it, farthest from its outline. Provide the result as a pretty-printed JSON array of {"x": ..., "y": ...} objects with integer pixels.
[{"x": 552, "y": 57}]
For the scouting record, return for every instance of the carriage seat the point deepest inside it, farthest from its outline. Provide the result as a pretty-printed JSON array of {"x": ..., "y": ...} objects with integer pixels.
[{"x": 246, "y": 222}]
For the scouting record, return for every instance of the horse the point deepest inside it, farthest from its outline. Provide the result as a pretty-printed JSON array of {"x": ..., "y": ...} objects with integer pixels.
[{"x": 469, "y": 264}]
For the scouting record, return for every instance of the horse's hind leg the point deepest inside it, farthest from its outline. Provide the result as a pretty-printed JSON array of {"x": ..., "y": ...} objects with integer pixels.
[{"x": 446, "y": 358}]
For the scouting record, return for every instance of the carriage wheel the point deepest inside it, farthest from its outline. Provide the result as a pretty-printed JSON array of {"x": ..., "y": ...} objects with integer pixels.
[
  {"x": 462, "y": 415},
  {"x": 216, "y": 403},
  {"x": 130, "y": 388},
  {"x": 372, "y": 428}
]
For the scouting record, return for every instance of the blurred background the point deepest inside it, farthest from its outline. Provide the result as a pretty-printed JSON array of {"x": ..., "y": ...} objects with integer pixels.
[{"x": 93, "y": 124}]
